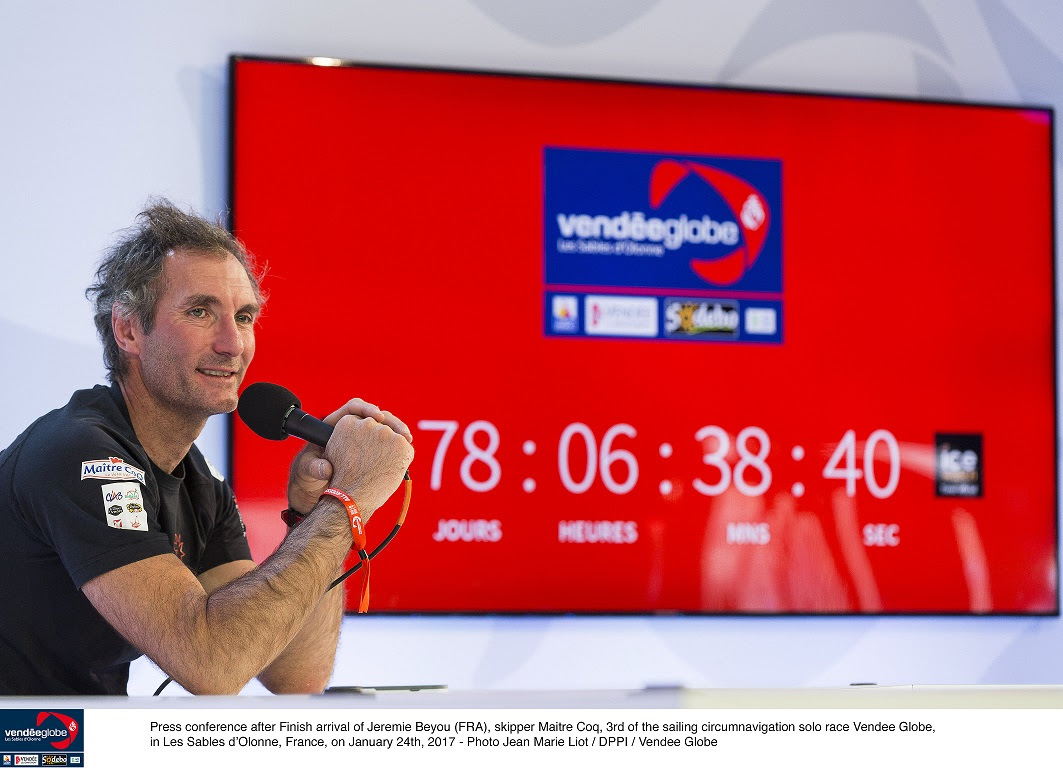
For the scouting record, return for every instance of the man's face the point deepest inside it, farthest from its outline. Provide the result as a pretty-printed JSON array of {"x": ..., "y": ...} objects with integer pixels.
[{"x": 203, "y": 340}]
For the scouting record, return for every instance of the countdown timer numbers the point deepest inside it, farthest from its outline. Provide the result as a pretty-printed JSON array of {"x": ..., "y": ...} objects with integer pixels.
[{"x": 617, "y": 467}]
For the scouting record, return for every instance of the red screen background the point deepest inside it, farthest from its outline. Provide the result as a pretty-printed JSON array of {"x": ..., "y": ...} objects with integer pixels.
[{"x": 401, "y": 215}]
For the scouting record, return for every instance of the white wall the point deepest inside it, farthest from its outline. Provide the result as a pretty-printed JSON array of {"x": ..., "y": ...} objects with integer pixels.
[{"x": 105, "y": 103}]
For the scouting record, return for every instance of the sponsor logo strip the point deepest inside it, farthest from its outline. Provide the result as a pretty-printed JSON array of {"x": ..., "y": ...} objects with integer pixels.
[
  {"x": 680, "y": 318},
  {"x": 661, "y": 226}
]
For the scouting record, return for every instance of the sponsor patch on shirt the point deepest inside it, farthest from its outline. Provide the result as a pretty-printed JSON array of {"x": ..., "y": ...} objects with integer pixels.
[
  {"x": 111, "y": 468},
  {"x": 124, "y": 505}
]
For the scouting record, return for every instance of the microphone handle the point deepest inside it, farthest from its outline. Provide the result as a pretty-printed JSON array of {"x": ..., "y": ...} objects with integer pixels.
[{"x": 302, "y": 425}]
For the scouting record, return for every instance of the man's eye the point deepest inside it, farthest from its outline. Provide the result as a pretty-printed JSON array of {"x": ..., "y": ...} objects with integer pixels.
[
  {"x": 198, "y": 312},
  {"x": 245, "y": 319}
]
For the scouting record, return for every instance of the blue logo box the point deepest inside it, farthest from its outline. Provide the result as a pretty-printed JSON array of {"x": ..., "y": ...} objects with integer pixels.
[{"x": 703, "y": 231}]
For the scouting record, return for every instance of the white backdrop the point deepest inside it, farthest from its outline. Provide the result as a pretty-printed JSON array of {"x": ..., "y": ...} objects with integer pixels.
[{"x": 106, "y": 103}]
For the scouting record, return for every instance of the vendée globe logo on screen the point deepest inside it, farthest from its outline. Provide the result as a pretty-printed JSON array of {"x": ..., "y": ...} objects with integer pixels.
[{"x": 628, "y": 219}]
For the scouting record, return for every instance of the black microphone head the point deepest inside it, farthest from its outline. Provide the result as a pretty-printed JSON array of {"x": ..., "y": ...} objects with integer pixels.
[{"x": 263, "y": 407}]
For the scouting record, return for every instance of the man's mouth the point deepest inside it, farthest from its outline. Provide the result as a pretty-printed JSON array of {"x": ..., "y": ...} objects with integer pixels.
[{"x": 215, "y": 373}]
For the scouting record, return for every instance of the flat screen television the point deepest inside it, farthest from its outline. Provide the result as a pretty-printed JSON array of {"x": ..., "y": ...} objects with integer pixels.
[{"x": 664, "y": 348}]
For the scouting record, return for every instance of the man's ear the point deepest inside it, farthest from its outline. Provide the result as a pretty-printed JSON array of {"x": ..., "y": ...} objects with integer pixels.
[{"x": 127, "y": 331}]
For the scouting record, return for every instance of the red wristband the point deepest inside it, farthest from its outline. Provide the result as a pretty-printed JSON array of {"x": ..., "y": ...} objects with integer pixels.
[
  {"x": 355, "y": 517},
  {"x": 358, "y": 534}
]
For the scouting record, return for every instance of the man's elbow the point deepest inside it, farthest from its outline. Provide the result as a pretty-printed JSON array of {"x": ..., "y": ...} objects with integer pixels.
[
  {"x": 303, "y": 684},
  {"x": 207, "y": 684}
]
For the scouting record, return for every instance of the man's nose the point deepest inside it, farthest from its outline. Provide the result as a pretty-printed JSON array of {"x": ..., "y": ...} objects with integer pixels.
[{"x": 229, "y": 338}]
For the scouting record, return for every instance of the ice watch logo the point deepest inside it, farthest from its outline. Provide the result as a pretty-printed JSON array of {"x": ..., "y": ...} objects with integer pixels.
[{"x": 746, "y": 204}]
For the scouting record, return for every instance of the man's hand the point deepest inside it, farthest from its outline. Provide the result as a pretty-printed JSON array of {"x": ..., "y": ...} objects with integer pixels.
[{"x": 313, "y": 469}]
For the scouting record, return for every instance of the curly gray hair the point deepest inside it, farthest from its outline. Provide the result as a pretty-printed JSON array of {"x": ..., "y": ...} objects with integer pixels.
[{"x": 129, "y": 277}]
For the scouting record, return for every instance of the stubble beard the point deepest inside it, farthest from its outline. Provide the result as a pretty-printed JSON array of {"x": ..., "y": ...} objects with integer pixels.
[{"x": 184, "y": 396}]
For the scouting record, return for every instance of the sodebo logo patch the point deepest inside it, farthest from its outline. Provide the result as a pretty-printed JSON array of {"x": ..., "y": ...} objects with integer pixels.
[{"x": 694, "y": 318}]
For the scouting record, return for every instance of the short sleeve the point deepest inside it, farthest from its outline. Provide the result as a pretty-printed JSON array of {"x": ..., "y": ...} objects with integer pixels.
[{"x": 88, "y": 493}]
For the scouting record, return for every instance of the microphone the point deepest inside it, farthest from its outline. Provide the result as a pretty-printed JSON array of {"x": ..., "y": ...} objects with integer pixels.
[{"x": 273, "y": 412}]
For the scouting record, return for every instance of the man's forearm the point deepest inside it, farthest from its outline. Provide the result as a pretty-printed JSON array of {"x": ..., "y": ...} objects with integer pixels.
[
  {"x": 277, "y": 593},
  {"x": 305, "y": 665},
  {"x": 214, "y": 638}
]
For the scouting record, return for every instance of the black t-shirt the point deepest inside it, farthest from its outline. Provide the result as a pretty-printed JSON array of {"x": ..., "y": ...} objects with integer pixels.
[{"x": 79, "y": 497}]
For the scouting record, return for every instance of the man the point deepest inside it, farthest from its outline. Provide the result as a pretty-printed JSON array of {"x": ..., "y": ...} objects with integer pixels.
[{"x": 115, "y": 538}]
